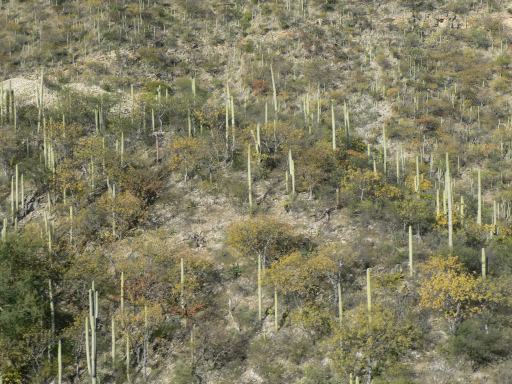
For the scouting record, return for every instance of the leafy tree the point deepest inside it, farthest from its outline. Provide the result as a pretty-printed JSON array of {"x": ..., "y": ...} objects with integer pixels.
[
  {"x": 482, "y": 339},
  {"x": 24, "y": 320},
  {"x": 448, "y": 289},
  {"x": 303, "y": 276},
  {"x": 187, "y": 154},
  {"x": 263, "y": 237},
  {"x": 316, "y": 166},
  {"x": 367, "y": 349}
]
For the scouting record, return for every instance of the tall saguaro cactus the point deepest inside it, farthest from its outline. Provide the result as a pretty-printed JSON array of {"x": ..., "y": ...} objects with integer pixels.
[
  {"x": 384, "y": 150},
  {"x": 259, "y": 288},
  {"x": 340, "y": 305},
  {"x": 369, "y": 294},
  {"x": 411, "y": 269},
  {"x": 113, "y": 343},
  {"x": 59, "y": 362},
  {"x": 291, "y": 164},
  {"x": 333, "y": 123},
  {"x": 484, "y": 264},
  {"x": 479, "y": 212},
  {"x": 276, "y": 323},
  {"x": 448, "y": 186},
  {"x": 274, "y": 92},
  {"x": 90, "y": 333},
  {"x": 249, "y": 177}
]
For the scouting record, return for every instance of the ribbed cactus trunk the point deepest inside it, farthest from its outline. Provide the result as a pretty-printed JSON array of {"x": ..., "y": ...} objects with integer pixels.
[
  {"x": 384, "y": 151},
  {"x": 259, "y": 289},
  {"x": 333, "y": 127},
  {"x": 484, "y": 264},
  {"x": 397, "y": 168},
  {"x": 479, "y": 198},
  {"x": 70, "y": 224},
  {"x": 417, "y": 178},
  {"x": 90, "y": 333},
  {"x": 369, "y": 294},
  {"x": 274, "y": 91},
  {"x": 113, "y": 343},
  {"x": 182, "y": 289},
  {"x": 346, "y": 117},
  {"x": 276, "y": 323},
  {"x": 128, "y": 377},
  {"x": 340, "y": 305},
  {"x": 448, "y": 186},
  {"x": 462, "y": 207},
  {"x": 291, "y": 164},
  {"x": 411, "y": 268},
  {"x": 59, "y": 363},
  {"x": 249, "y": 177}
]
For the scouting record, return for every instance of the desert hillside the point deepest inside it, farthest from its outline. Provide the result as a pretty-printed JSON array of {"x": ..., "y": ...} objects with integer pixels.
[{"x": 256, "y": 192}]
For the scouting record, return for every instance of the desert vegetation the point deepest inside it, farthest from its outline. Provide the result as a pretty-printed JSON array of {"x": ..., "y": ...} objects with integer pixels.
[{"x": 264, "y": 191}]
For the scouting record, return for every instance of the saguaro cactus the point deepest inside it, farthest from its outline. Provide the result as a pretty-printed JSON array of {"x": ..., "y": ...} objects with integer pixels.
[
  {"x": 346, "y": 117},
  {"x": 90, "y": 333},
  {"x": 333, "y": 123},
  {"x": 448, "y": 186},
  {"x": 484, "y": 264},
  {"x": 479, "y": 197},
  {"x": 276, "y": 324},
  {"x": 70, "y": 224},
  {"x": 462, "y": 206},
  {"x": 122, "y": 294},
  {"x": 259, "y": 288},
  {"x": 384, "y": 151},
  {"x": 411, "y": 269},
  {"x": 292, "y": 170},
  {"x": 128, "y": 377},
  {"x": 340, "y": 305},
  {"x": 113, "y": 342},
  {"x": 182, "y": 284},
  {"x": 369, "y": 294},
  {"x": 249, "y": 177},
  {"x": 274, "y": 92}
]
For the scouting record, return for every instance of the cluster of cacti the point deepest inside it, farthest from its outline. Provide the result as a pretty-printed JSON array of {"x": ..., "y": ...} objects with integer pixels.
[
  {"x": 8, "y": 108},
  {"x": 17, "y": 196}
]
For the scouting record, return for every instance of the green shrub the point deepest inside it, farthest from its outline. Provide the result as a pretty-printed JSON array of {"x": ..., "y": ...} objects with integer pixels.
[{"x": 483, "y": 340}]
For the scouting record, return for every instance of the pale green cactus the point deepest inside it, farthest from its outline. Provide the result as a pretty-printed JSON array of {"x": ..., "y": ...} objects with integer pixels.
[
  {"x": 333, "y": 127},
  {"x": 479, "y": 198},
  {"x": 411, "y": 268},
  {"x": 113, "y": 343},
  {"x": 484, "y": 264},
  {"x": 276, "y": 311},
  {"x": 249, "y": 177},
  {"x": 369, "y": 294},
  {"x": 59, "y": 362},
  {"x": 340, "y": 305},
  {"x": 448, "y": 186},
  {"x": 90, "y": 334}
]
